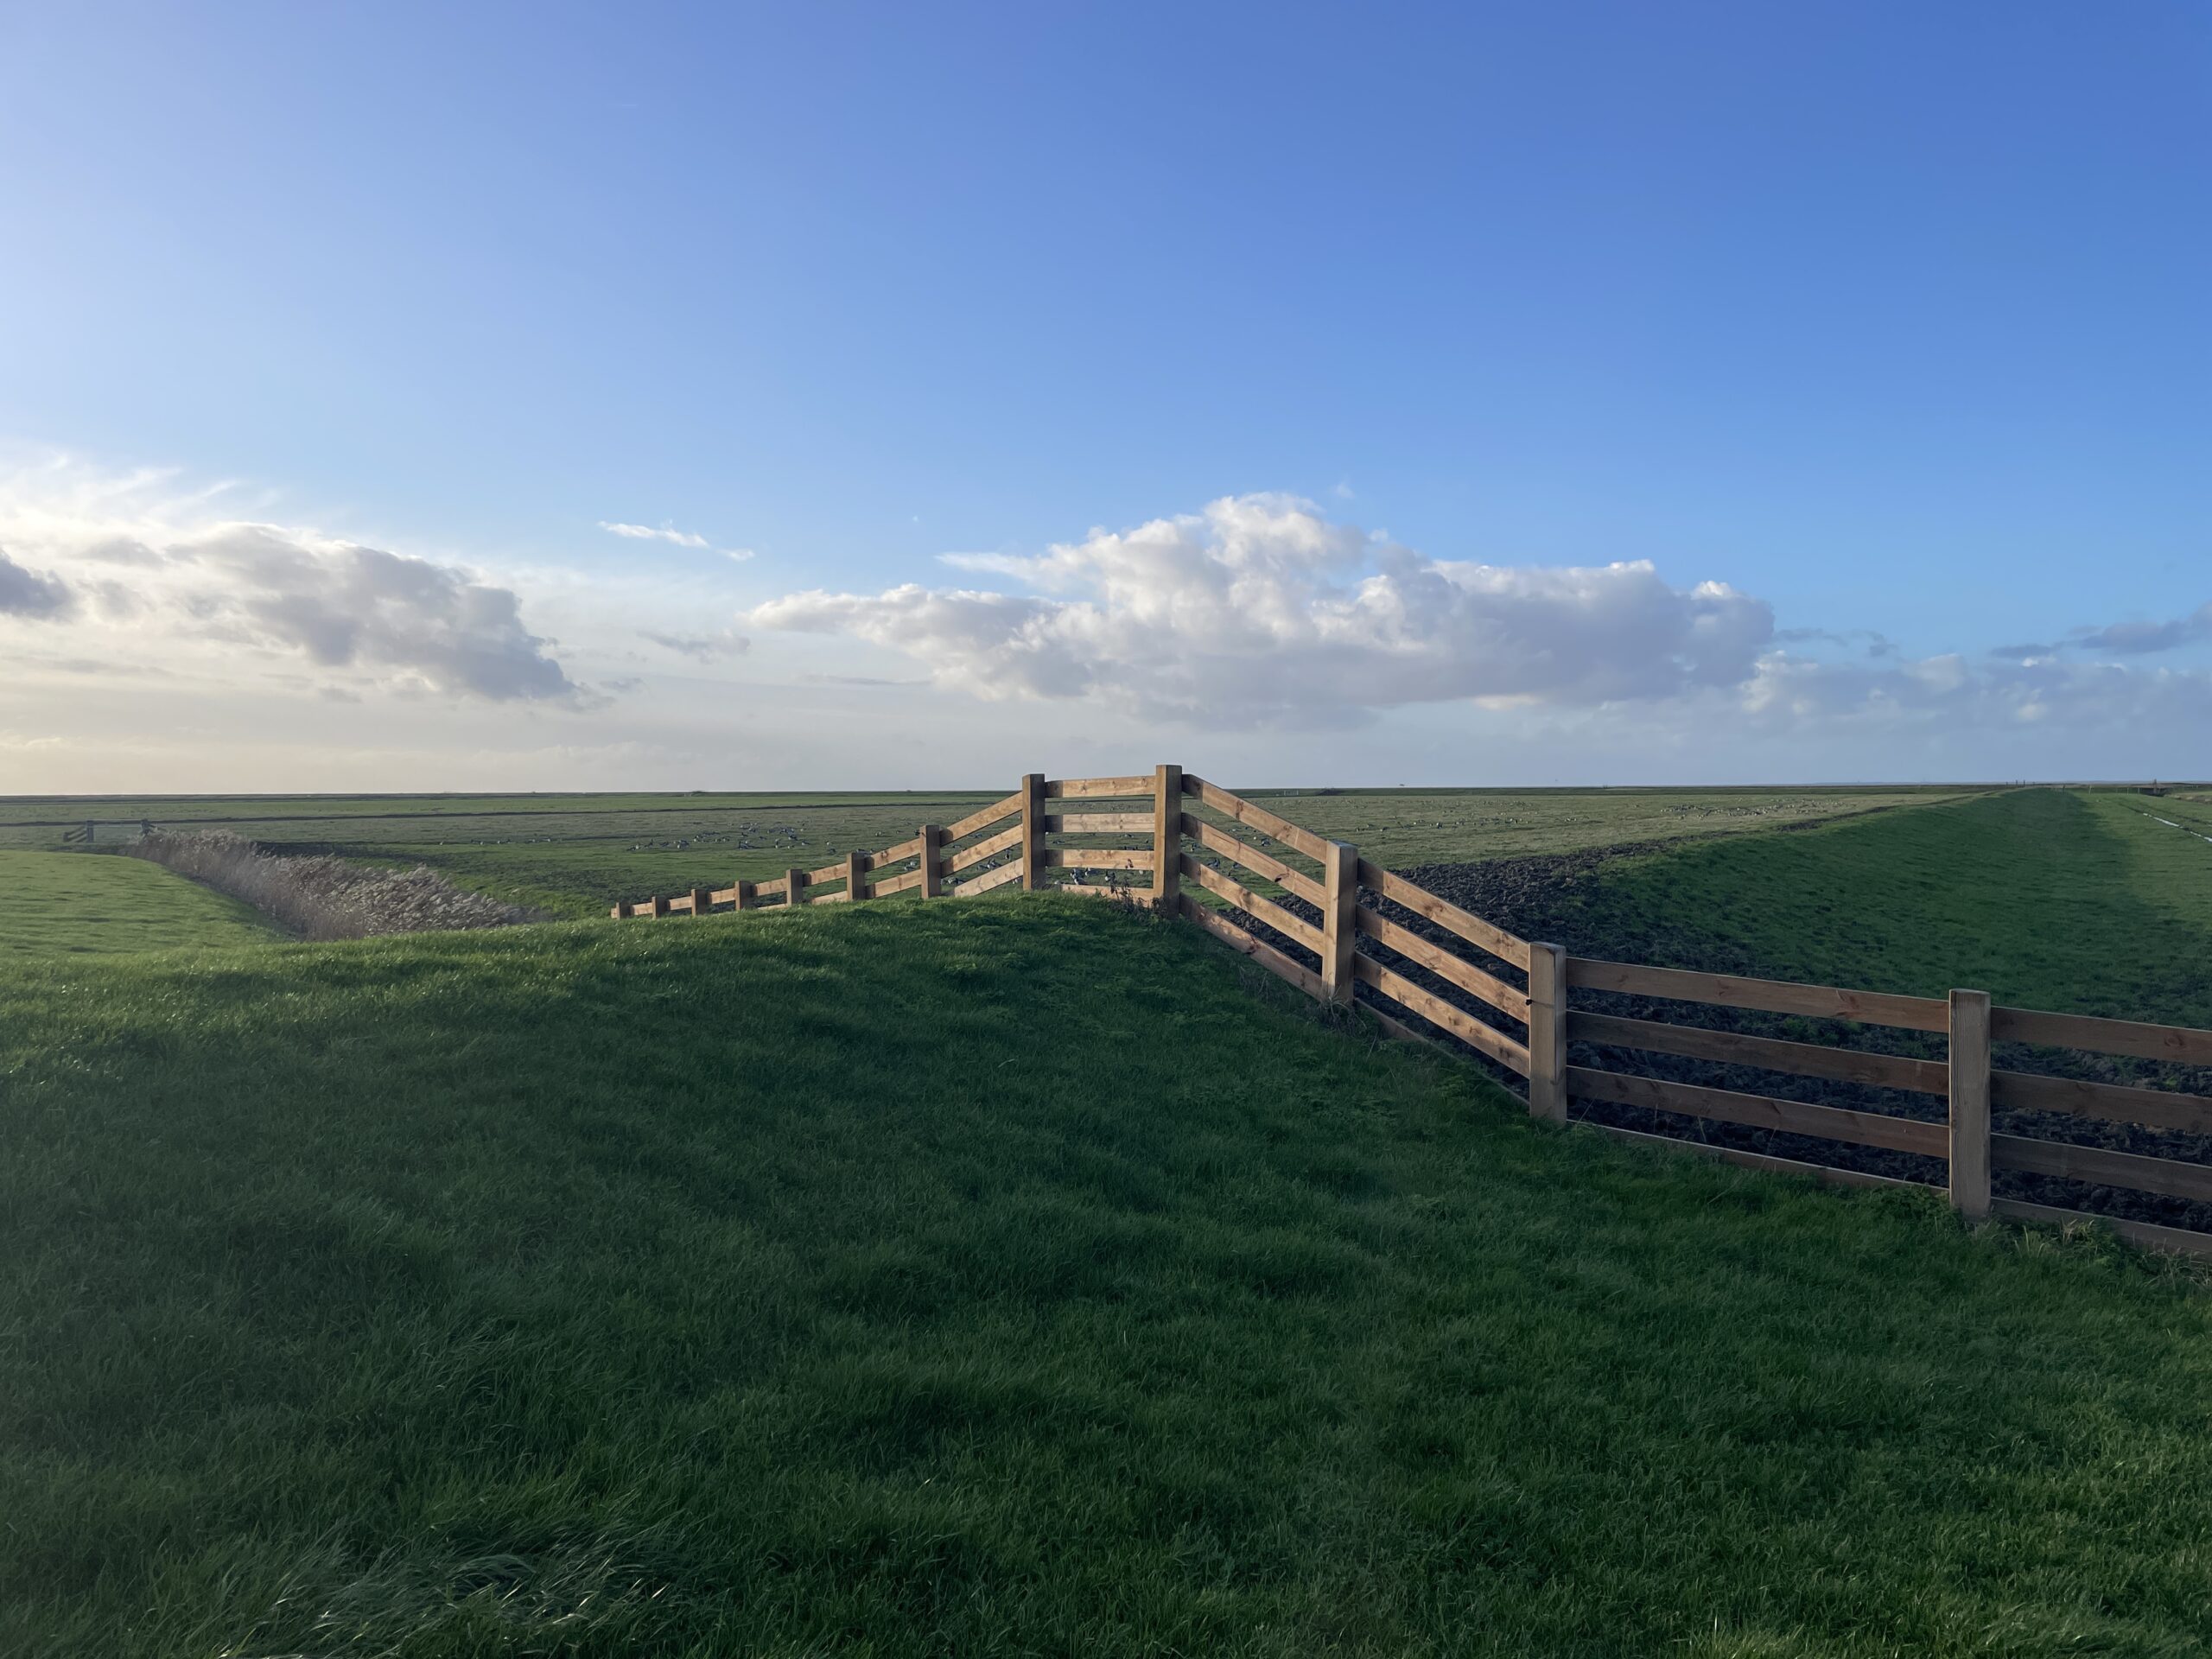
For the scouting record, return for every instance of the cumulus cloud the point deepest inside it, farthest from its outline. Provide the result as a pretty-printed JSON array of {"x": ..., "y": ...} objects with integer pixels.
[
  {"x": 1260, "y": 610},
  {"x": 162, "y": 574},
  {"x": 32, "y": 594},
  {"x": 344, "y": 605},
  {"x": 674, "y": 536}
]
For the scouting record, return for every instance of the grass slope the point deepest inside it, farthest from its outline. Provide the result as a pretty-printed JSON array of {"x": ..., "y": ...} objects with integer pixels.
[
  {"x": 989, "y": 1278},
  {"x": 2049, "y": 898},
  {"x": 74, "y": 904}
]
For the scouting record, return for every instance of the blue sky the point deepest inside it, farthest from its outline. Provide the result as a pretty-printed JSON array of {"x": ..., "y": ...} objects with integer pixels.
[{"x": 1891, "y": 318}]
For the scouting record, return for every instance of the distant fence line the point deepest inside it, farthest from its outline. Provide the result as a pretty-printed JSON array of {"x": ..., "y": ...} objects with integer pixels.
[
  {"x": 1184, "y": 816},
  {"x": 88, "y": 833}
]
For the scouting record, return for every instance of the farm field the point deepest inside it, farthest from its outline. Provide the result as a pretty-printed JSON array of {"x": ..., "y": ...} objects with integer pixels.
[
  {"x": 575, "y": 855},
  {"x": 473, "y": 1294},
  {"x": 2090, "y": 901},
  {"x": 61, "y": 903}
]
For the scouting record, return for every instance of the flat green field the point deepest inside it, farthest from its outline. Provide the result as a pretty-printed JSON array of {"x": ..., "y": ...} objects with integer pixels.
[
  {"x": 72, "y": 903},
  {"x": 1006, "y": 1277},
  {"x": 2095, "y": 902},
  {"x": 575, "y": 855}
]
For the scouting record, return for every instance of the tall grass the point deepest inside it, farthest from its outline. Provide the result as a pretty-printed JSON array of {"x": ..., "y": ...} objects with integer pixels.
[
  {"x": 322, "y": 897},
  {"x": 988, "y": 1279}
]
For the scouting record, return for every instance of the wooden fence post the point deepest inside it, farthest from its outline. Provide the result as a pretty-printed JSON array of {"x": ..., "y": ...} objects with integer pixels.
[
  {"x": 702, "y": 900},
  {"x": 1548, "y": 1032},
  {"x": 1970, "y": 1103},
  {"x": 794, "y": 885},
  {"x": 856, "y": 877},
  {"x": 660, "y": 906},
  {"x": 1166, "y": 835},
  {"x": 932, "y": 877},
  {"x": 1339, "y": 928},
  {"x": 744, "y": 890},
  {"x": 1033, "y": 831}
]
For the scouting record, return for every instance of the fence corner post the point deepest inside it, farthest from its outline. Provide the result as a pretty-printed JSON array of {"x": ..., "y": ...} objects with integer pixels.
[
  {"x": 1548, "y": 1032},
  {"x": 794, "y": 885},
  {"x": 856, "y": 877},
  {"x": 1033, "y": 831},
  {"x": 1969, "y": 1103},
  {"x": 1166, "y": 835},
  {"x": 932, "y": 877},
  {"x": 1339, "y": 922}
]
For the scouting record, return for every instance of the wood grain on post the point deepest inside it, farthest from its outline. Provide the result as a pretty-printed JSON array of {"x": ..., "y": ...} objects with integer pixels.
[
  {"x": 1970, "y": 1103},
  {"x": 1548, "y": 1032},
  {"x": 932, "y": 877},
  {"x": 794, "y": 887},
  {"x": 1339, "y": 920},
  {"x": 1166, "y": 835},
  {"x": 856, "y": 877},
  {"x": 1033, "y": 831}
]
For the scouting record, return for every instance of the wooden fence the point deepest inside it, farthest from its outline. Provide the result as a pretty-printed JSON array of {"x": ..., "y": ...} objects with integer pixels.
[{"x": 1345, "y": 930}]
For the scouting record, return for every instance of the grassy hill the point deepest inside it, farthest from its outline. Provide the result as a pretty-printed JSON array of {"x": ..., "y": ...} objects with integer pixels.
[
  {"x": 988, "y": 1278},
  {"x": 2045, "y": 898}
]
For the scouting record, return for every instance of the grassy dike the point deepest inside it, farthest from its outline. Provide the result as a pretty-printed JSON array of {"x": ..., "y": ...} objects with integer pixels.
[
  {"x": 1005, "y": 1276},
  {"x": 2045, "y": 898}
]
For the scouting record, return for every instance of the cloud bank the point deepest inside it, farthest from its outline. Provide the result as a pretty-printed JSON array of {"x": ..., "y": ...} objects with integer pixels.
[
  {"x": 151, "y": 573},
  {"x": 1259, "y": 610}
]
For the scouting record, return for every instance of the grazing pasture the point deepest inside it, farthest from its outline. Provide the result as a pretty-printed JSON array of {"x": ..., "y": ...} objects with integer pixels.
[
  {"x": 1000, "y": 1277},
  {"x": 575, "y": 854},
  {"x": 2074, "y": 899},
  {"x": 76, "y": 904}
]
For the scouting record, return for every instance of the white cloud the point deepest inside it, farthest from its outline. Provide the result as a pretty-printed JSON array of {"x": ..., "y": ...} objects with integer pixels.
[
  {"x": 168, "y": 578},
  {"x": 676, "y": 537},
  {"x": 647, "y": 533},
  {"x": 344, "y": 605},
  {"x": 1259, "y": 610}
]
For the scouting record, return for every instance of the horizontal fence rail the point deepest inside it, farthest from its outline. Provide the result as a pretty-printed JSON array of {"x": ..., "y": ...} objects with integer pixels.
[{"x": 1344, "y": 930}]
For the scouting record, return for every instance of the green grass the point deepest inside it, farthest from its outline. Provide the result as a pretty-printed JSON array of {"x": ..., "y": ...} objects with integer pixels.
[
  {"x": 991, "y": 1278},
  {"x": 1404, "y": 828},
  {"x": 2045, "y": 898},
  {"x": 575, "y": 854},
  {"x": 73, "y": 904}
]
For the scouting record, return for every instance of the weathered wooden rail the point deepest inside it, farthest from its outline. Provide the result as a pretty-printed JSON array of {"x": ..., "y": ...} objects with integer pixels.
[{"x": 1192, "y": 831}]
